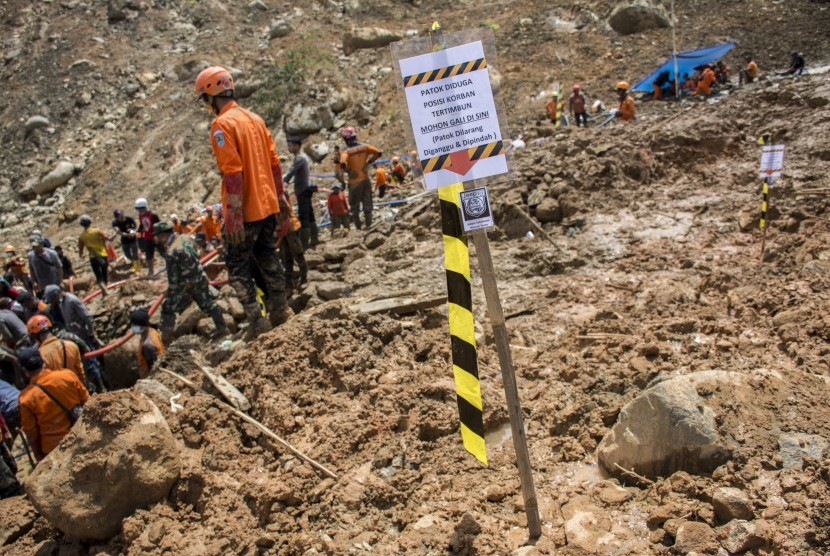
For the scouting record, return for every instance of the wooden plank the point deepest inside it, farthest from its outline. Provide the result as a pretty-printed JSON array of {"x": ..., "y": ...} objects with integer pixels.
[
  {"x": 228, "y": 390},
  {"x": 399, "y": 306}
]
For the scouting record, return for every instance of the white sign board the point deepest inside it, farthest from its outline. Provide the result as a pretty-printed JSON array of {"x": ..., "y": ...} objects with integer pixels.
[
  {"x": 453, "y": 115},
  {"x": 476, "y": 213},
  {"x": 772, "y": 161}
]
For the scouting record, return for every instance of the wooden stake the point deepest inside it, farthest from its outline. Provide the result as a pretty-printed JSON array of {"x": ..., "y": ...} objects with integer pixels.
[
  {"x": 511, "y": 391},
  {"x": 248, "y": 419}
]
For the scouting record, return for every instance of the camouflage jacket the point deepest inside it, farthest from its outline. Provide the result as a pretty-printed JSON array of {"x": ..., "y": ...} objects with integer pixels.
[{"x": 183, "y": 267}]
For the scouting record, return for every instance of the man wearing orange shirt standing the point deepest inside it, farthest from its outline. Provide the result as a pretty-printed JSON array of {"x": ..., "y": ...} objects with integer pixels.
[
  {"x": 355, "y": 161},
  {"x": 251, "y": 186},
  {"x": 210, "y": 226}
]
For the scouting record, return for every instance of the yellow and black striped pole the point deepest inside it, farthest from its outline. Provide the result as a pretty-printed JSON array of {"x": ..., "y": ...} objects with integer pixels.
[
  {"x": 764, "y": 208},
  {"x": 462, "y": 328}
]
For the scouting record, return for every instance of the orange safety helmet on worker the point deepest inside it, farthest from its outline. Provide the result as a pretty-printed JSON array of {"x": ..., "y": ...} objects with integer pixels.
[
  {"x": 627, "y": 109},
  {"x": 38, "y": 324},
  {"x": 251, "y": 184}
]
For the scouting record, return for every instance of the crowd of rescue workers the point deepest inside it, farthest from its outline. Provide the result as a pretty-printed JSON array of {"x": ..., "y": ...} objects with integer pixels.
[{"x": 50, "y": 352}]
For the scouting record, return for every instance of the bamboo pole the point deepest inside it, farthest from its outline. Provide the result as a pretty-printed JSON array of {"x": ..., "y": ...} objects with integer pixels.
[{"x": 265, "y": 430}]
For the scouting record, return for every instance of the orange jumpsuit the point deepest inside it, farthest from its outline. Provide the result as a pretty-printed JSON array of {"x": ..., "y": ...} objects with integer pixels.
[
  {"x": 43, "y": 421},
  {"x": 239, "y": 139},
  {"x": 705, "y": 84},
  {"x": 153, "y": 343},
  {"x": 627, "y": 108},
  {"x": 62, "y": 354},
  {"x": 210, "y": 227}
]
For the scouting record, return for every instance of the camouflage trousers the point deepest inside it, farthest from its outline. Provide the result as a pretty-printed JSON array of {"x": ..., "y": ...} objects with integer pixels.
[
  {"x": 197, "y": 289},
  {"x": 257, "y": 250}
]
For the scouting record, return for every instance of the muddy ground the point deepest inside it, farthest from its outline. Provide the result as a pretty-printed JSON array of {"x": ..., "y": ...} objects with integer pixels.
[{"x": 653, "y": 269}]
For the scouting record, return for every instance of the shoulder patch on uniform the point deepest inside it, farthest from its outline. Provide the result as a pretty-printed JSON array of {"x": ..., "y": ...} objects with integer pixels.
[{"x": 219, "y": 136}]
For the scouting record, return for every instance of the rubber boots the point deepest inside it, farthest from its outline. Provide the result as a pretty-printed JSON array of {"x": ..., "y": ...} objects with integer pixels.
[
  {"x": 278, "y": 310},
  {"x": 219, "y": 322},
  {"x": 257, "y": 324},
  {"x": 136, "y": 267}
]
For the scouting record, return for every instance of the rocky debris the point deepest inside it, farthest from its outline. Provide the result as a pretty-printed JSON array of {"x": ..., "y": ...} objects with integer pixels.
[
  {"x": 796, "y": 446},
  {"x": 586, "y": 524},
  {"x": 368, "y": 37},
  {"x": 697, "y": 537},
  {"x": 549, "y": 211},
  {"x": 667, "y": 428},
  {"x": 34, "y": 123},
  {"x": 743, "y": 535},
  {"x": 120, "y": 456},
  {"x": 116, "y": 10},
  {"x": 303, "y": 119},
  {"x": 59, "y": 175},
  {"x": 279, "y": 28},
  {"x": 17, "y": 518},
  {"x": 732, "y": 503},
  {"x": 638, "y": 16},
  {"x": 340, "y": 100},
  {"x": 258, "y": 5},
  {"x": 317, "y": 151}
]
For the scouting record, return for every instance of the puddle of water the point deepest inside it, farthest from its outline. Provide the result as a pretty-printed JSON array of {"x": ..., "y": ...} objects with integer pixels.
[{"x": 501, "y": 434}]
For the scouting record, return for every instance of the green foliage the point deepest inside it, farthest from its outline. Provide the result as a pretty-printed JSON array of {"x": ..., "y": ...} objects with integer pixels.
[
  {"x": 285, "y": 82},
  {"x": 491, "y": 24}
]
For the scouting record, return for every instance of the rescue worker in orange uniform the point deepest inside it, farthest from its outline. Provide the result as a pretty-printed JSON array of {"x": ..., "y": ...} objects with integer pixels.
[
  {"x": 381, "y": 180},
  {"x": 56, "y": 353},
  {"x": 150, "y": 345},
  {"x": 49, "y": 403},
  {"x": 707, "y": 79},
  {"x": 210, "y": 226},
  {"x": 338, "y": 208},
  {"x": 355, "y": 160},
  {"x": 578, "y": 104},
  {"x": 749, "y": 73},
  {"x": 627, "y": 109},
  {"x": 398, "y": 170},
  {"x": 251, "y": 185}
]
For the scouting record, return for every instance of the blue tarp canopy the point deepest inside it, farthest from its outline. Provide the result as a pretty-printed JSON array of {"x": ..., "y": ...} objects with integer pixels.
[{"x": 686, "y": 63}]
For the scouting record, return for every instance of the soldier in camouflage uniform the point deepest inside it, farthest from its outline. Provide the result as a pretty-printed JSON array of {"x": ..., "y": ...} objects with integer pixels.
[{"x": 186, "y": 281}]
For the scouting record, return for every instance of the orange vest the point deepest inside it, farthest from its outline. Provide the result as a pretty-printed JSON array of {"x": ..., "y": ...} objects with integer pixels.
[
  {"x": 243, "y": 145},
  {"x": 43, "y": 421},
  {"x": 62, "y": 354},
  {"x": 154, "y": 338},
  {"x": 627, "y": 108}
]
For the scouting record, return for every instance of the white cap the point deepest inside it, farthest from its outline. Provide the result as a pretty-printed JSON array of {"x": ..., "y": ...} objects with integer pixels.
[{"x": 141, "y": 203}]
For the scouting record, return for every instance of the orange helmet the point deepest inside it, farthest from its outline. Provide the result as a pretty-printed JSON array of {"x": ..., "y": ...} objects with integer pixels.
[
  {"x": 623, "y": 85},
  {"x": 38, "y": 324},
  {"x": 213, "y": 81}
]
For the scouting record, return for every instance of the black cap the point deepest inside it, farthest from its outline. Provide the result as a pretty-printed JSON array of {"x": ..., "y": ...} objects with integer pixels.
[
  {"x": 296, "y": 139},
  {"x": 24, "y": 297},
  {"x": 140, "y": 317},
  {"x": 30, "y": 359}
]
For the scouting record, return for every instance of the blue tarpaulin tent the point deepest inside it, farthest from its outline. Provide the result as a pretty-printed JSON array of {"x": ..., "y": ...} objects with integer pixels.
[{"x": 686, "y": 63}]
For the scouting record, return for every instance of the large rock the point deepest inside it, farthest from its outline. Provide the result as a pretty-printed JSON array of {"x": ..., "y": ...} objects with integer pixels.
[
  {"x": 35, "y": 122},
  {"x": 317, "y": 151},
  {"x": 744, "y": 535},
  {"x": 638, "y": 16},
  {"x": 279, "y": 28},
  {"x": 368, "y": 37},
  {"x": 305, "y": 120},
  {"x": 549, "y": 211},
  {"x": 732, "y": 503},
  {"x": 61, "y": 174},
  {"x": 796, "y": 446},
  {"x": 668, "y": 428},
  {"x": 119, "y": 457}
]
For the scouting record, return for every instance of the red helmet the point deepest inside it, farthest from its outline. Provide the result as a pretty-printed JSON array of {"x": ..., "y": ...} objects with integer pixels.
[
  {"x": 577, "y": 88},
  {"x": 213, "y": 81},
  {"x": 348, "y": 133},
  {"x": 38, "y": 324}
]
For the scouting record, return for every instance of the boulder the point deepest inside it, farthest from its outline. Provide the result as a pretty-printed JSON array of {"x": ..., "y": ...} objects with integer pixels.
[
  {"x": 339, "y": 100},
  {"x": 667, "y": 428},
  {"x": 279, "y": 28},
  {"x": 61, "y": 174},
  {"x": 549, "y": 211},
  {"x": 116, "y": 10},
  {"x": 35, "y": 122},
  {"x": 318, "y": 151},
  {"x": 368, "y": 37},
  {"x": 638, "y": 16},
  {"x": 305, "y": 120},
  {"x": 332, "y": 290},
  {"x": 732, "y": 503},
  {"x": 695, "y": 536},
  {"x": 120, "y": 456}
]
